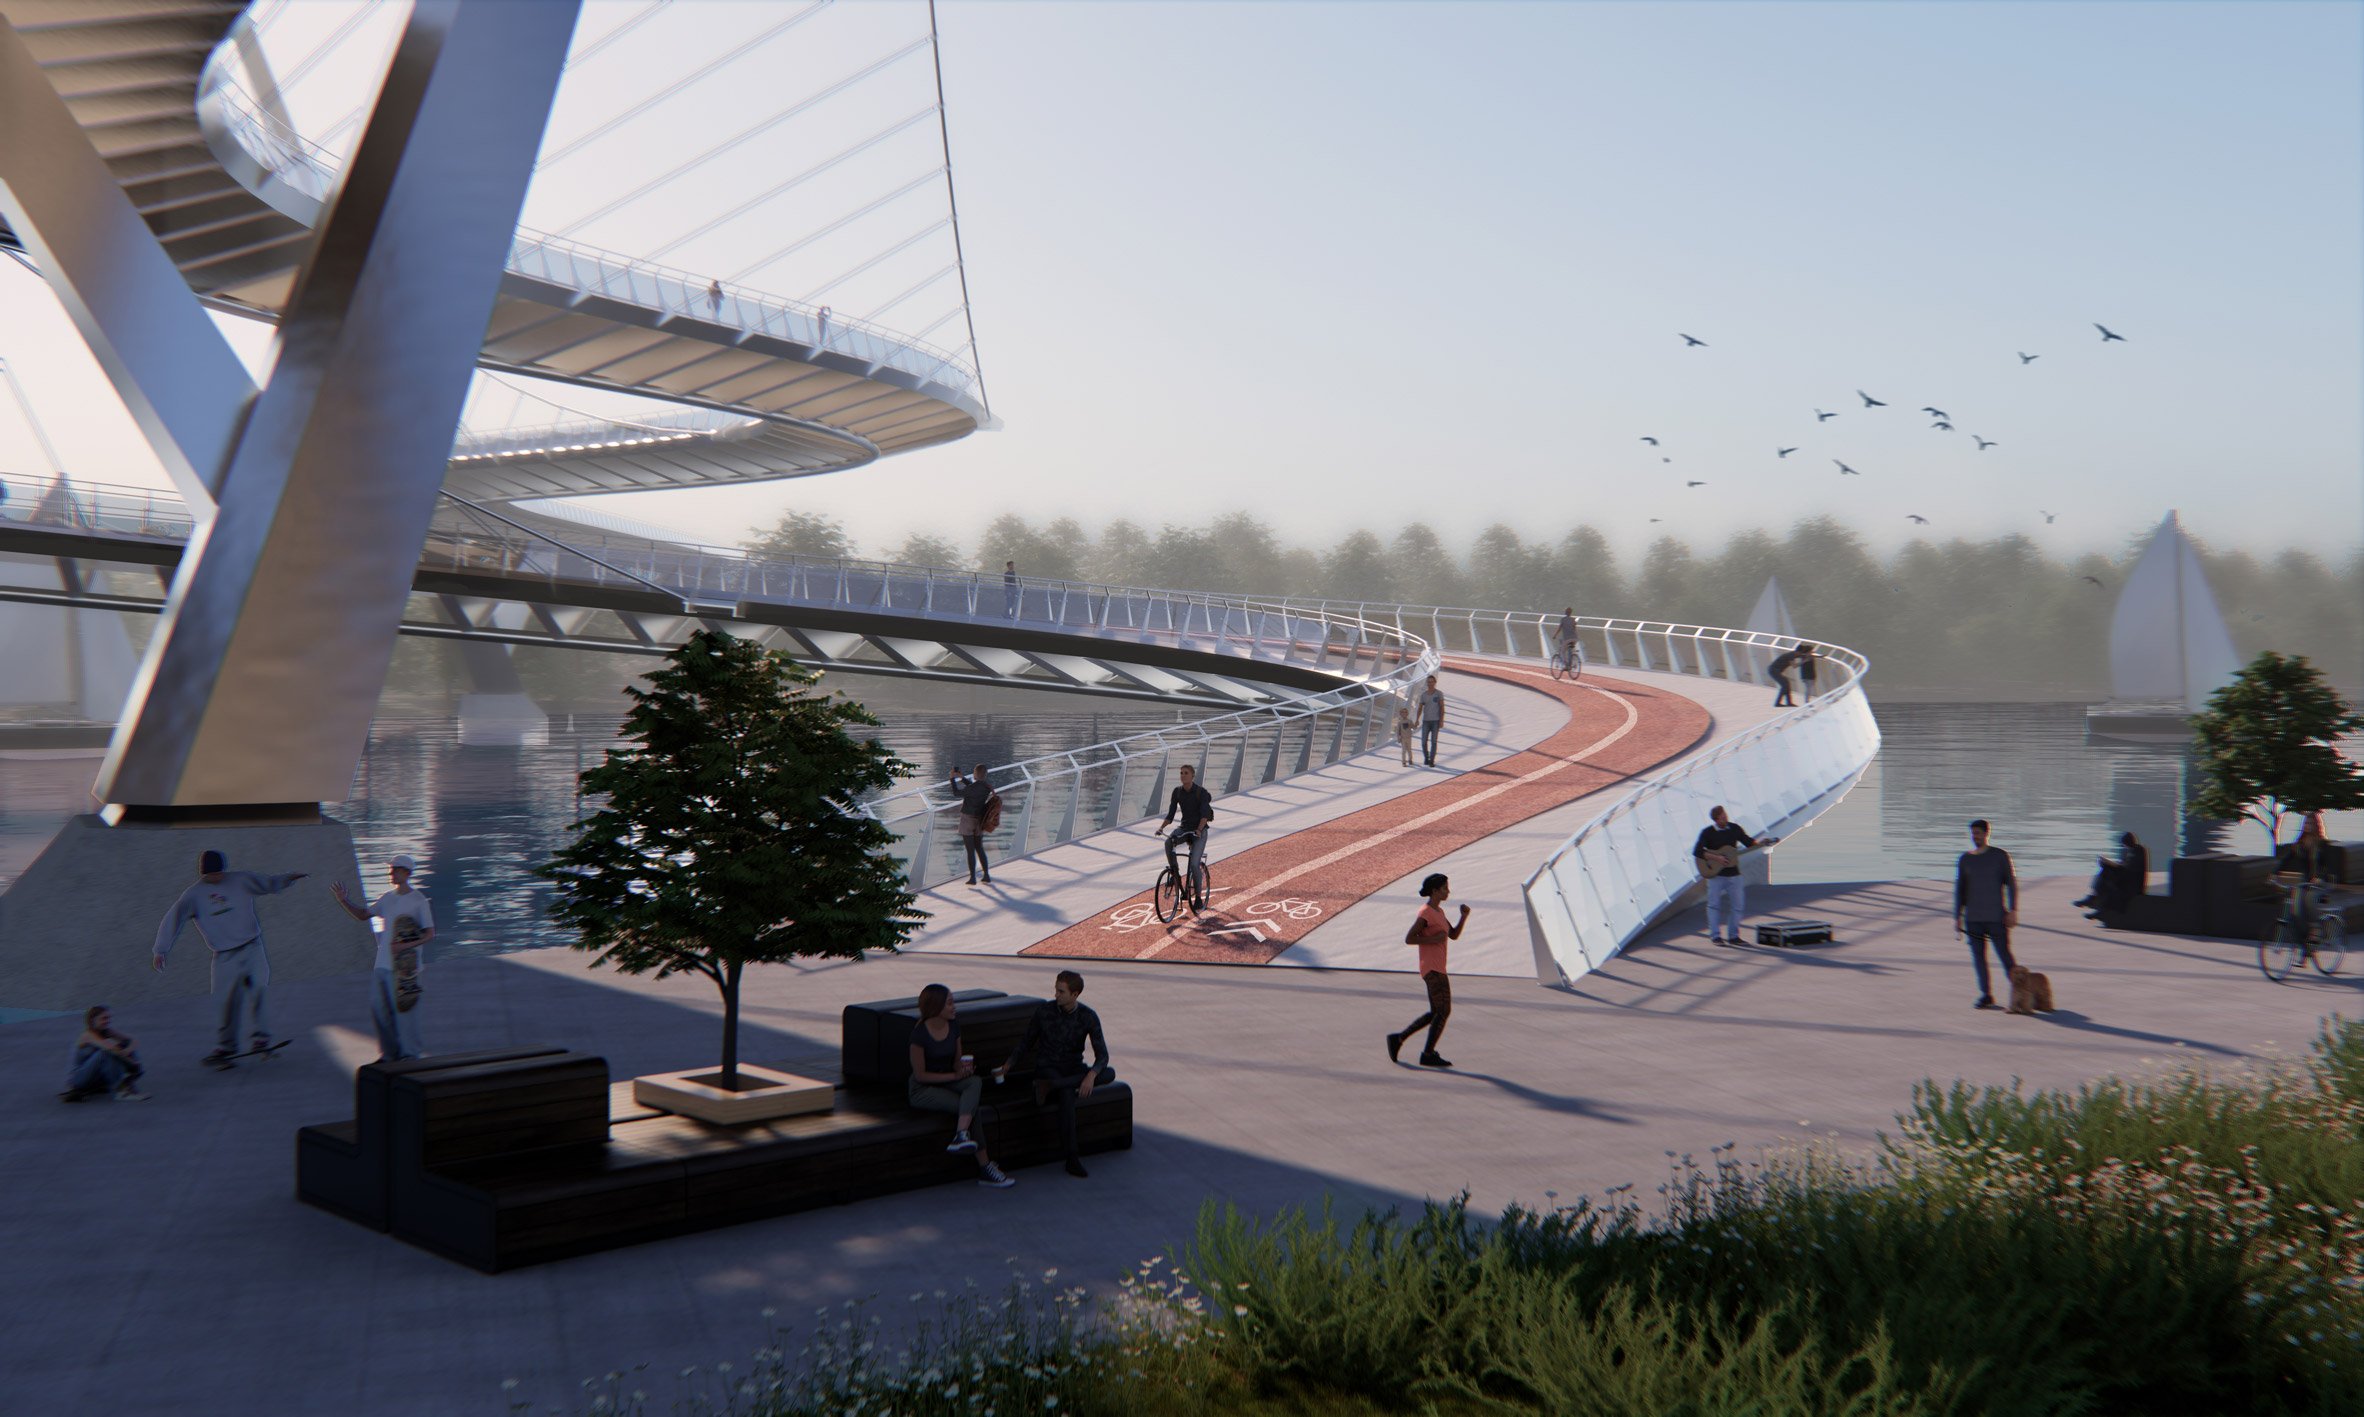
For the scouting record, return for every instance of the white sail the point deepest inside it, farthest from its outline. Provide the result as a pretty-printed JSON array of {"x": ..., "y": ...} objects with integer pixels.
[
  {"x": 2168, "y": 641},
  {"x": 1771, "y": 616}
]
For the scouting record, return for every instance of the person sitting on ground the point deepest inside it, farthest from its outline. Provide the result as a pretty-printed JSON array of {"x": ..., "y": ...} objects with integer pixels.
[
  {"x": 2119, "y": 881},
  {"x": 943, "y": 1079},
  {"x": 104, "y": 1060},
  {"x": 1055, "y": 1038}
]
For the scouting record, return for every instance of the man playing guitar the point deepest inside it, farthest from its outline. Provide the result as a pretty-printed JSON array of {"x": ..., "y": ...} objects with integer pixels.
[{"x": 1717, "y": 855}]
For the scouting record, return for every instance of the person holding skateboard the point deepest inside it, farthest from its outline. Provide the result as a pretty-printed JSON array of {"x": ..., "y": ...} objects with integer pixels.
[
  {"x": 221, "y": 905},
  {"x": 403, "y": 922}
]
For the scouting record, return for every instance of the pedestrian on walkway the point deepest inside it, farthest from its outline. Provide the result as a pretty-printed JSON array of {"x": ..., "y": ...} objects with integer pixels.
[
  {"x": 1432, "y": 720},
  {"x": 714, "y": 294},
  {"x": 221, "y": 905},
  {"x": 1807, "y": 661},
  {"x": 1430, "y": 932},
  {"x": 1717, "y": 853},
  {"x": 1055, "y": 1035},
  {"x": 1009, "y": 590},
  {"x": 104, "y": 1060},
  {"x": 1403, "y": 728},
  {"x": 403, "y": 921},
  {"x": 976, "y": 801},
  {"x": 1784, "y": 697},
  {"x": 1986, "y": 906}
]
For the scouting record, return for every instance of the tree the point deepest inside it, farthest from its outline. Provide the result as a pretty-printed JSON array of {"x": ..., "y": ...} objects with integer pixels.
[
  {"x": 922, "y": 549},
  {"x": 805, "y": 534},
  {"x": 2266, "y": 746},
  {"x": 720, "y": 843}
]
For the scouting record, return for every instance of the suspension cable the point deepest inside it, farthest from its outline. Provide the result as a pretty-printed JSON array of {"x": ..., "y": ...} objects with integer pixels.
[
  {"x": 588, "y": 50},
  {"x": 792, "y": 183},
  {"x": 684, "y": 82},
  {"x": 849, "y": 218},
  {"x": 872, "y": 318},
  {"x": 895, "y": 250},
  {"x": 319, "y": 52},
  {"x": 952, "y": 200},
  {"x": 744, "y": 135}
]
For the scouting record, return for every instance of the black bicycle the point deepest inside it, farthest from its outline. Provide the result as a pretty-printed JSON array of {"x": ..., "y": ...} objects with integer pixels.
[
  {"x": 2303, "y": 934},
  {"x": 1175, "y": 891},
  {"x": 1567, "y": 662}
]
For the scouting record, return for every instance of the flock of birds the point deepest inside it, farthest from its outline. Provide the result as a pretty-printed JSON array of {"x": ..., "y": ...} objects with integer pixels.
[{"x": 1943, "y": 423}]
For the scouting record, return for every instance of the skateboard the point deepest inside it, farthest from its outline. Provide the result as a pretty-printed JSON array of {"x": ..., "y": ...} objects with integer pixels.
[
  {"x": 223, "y": 1065},
  {"x": 406, "y": 964}
]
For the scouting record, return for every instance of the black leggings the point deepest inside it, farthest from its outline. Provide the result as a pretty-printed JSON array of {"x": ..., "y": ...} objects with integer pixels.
[
  {"x": 1053, "y": 1081},
  {"x": 974, "y": 846},
  {"x": 1440, "y": 1008}
]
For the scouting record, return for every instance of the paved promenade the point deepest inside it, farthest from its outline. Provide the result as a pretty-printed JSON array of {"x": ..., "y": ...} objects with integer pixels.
[{"x": 158, "y": 1263}]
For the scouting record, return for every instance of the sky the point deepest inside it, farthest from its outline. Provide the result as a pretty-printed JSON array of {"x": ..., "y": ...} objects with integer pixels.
[{"x": 1352, "y": 265}]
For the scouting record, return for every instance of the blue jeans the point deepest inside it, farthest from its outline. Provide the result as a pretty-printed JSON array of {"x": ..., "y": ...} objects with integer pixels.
[
  {"x": 97, "y": 1070},
  {"x": 398, "y": 1032},
  {"x": 1981, "y": 934},
  {"x": 237, "y": 974},
  {"x": 1727, "y": 901},
  {"x": 1429, "y": 729}
]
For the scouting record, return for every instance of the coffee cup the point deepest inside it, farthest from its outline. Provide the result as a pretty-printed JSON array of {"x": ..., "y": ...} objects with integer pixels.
[{"x": 968, "y": 1060}]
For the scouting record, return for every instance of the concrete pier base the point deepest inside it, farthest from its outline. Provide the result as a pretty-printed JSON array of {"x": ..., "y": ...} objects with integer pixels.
[{"x": 79, "y": 925}]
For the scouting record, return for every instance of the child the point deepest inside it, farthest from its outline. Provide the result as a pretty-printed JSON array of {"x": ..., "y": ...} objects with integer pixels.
[
  {"x": 1403, "y": 729},
  {"x": 1430, "y": 932},
  {"x": 104, "y": 1061}
]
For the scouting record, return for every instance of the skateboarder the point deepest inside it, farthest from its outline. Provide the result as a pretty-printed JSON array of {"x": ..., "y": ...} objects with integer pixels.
[
  {"x": 221, "y": 904},
  {"x": 396, "y": 971}
]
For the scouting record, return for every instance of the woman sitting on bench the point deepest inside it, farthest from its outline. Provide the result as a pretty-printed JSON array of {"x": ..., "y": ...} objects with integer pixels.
[{"x": 945, "y": 1080}]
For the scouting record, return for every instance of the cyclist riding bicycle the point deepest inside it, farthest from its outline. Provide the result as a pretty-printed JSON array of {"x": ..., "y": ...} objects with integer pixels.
[
  {"x": 1196, "y": 807},
  {"x": 1567, "y": 635}
]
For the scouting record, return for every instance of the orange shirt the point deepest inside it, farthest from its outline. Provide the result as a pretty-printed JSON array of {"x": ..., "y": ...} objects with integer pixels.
[{"x": 1433, "y": 933}]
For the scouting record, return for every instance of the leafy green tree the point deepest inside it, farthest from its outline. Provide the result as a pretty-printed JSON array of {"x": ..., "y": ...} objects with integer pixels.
[
  {"x": 804, "y": 534},
  {"x": 1120, "y": 553},
  {"x": 1423, "y": 571},
  {"x": 1357, "y": 569},
  {"x": 719, "y": 842},
  {"x": 2267, "y": 746},
  {"x": 1044, "y": 553},
  {"x": 922, "y": 549}
]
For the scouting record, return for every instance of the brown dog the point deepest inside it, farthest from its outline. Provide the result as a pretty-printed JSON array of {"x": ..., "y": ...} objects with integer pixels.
[{"x": 2031, "y": 993}]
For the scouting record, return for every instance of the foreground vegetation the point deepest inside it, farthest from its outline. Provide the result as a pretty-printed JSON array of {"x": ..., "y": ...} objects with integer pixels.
[{"x": 2183, "y": 1245}]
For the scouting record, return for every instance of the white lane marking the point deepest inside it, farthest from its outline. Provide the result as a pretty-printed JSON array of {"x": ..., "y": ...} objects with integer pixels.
[{"x": 1633, "y": 719}]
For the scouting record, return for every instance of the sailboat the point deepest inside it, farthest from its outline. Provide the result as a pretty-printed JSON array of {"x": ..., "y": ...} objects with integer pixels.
[
  {"x": 1771, "y": 613},
  {"x": 2169, "y": 648}
]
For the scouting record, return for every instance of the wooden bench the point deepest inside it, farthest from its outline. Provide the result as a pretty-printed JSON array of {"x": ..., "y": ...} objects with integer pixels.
[{"x": 515, "y": 1158}]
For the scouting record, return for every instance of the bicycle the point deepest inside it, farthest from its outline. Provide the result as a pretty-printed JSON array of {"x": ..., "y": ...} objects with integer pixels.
[
  {"x": 2302, "y": 935},
  {"x": 1170, "y": 895},
  {"x": 1567, "y": 663}
]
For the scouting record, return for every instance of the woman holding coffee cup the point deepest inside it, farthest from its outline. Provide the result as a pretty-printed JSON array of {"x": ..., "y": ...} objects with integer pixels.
[{"x": 945, "y": 1079}]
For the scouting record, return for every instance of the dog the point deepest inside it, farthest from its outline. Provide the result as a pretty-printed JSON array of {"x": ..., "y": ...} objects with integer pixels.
[{"x": 2031, "y": 993}]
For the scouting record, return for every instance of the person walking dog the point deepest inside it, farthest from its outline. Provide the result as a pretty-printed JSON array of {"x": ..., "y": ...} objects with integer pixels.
[
  {"x": 1986, "y": 906},
  {"x": 1430, "y": 932},
  {"x": 221, "y": 905}
]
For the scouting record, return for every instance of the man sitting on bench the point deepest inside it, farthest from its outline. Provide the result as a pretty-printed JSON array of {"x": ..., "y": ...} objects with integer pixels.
[{"x": 1056, "y": 1035}]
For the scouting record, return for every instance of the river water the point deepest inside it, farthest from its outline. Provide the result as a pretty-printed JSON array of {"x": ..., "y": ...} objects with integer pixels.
[{"x": 482, "y": 817}]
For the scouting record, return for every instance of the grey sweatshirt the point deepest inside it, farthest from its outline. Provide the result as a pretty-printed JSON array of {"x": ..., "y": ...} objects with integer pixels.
[
  {"x": 223, "y": 910},
  {"x": 1984, "y": 888}
]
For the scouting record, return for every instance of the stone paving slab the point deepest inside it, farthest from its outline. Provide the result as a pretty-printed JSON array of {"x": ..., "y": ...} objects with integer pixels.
[{"x": 157, "y": 1261}]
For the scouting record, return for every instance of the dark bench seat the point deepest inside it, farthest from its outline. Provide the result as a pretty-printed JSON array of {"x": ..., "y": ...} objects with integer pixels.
[
  {"x": 521, "y": 1156},
  {"x": 2232, "y": 897}
]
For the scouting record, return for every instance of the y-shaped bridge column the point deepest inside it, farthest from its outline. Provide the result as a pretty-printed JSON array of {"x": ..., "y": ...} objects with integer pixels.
[{"x": 255, "y": 699}]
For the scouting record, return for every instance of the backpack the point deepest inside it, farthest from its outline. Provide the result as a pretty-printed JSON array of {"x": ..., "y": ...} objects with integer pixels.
[{"x": 990, "y": 821}]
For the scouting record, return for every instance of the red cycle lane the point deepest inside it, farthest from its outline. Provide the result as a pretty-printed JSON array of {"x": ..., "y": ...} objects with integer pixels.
[{"x": 1268, "y": 897}]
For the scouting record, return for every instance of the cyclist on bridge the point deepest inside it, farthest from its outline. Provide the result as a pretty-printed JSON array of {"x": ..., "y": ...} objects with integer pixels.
[
  {"x": 1196, "y": 807},
  {"x": 1567, "y": 634}
]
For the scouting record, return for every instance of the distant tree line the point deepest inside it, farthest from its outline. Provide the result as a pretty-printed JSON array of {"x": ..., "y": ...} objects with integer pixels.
[{"x": 2000, "y": 613}]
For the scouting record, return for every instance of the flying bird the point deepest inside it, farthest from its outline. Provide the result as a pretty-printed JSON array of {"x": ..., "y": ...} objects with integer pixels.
[
  {"x": 1653, "y": 442},
  {"x": 1910, "y": 517},
  {"x": 1689, "y": 342},
  {"x": 1846, "y": 471},
  {"x": 1868, "y": 400},
  {"x": 1941, "y": 423},
  {"x": 2108, "y": 334},
  {"x": 1694, "y": 484},
  {"x": 2095, "y": 580},
  {"x": 1666, "y": 459},
  {"x": 1821, "y": 417},
  {"x": 1654, "y": 519},
  {"x": 2048, "y": 517},
  {"x": 1983, "y": 443},
  {"x": 2027, "y": 358},
  {"x": 1783, "y": 452},
  {"x": 1937, "y": 413}
]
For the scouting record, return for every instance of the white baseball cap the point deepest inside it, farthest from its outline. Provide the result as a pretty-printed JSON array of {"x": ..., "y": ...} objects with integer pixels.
[{"x": 403, "y": 863}]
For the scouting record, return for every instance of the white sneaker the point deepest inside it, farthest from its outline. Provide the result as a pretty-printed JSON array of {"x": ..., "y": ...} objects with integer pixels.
[
  {"x": 128, "y": 1093},
  {"x": 961, "y": 1142},
  {"x": 995, "y": 1177}
]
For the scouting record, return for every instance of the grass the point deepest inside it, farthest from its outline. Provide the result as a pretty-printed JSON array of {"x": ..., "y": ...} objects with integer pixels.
[{"x": 2191, "y": 1244}]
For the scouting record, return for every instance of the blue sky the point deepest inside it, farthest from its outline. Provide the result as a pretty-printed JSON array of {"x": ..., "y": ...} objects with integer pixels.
[{"x": 1349, "y": 264}]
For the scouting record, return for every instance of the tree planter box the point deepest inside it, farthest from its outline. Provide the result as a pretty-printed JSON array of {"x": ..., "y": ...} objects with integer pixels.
[{"x": 763, "y": 1095}]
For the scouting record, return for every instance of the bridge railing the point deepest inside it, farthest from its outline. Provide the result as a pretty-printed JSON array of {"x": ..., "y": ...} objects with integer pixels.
[{"x": 1061, "y": 796}]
